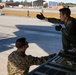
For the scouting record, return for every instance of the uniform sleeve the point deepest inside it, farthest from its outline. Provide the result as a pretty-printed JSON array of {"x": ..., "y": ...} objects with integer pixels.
[
  {"x": 54, "y": 20},
  {"x": 38, "y": 61},
  {"x": 68, "y": 29}
]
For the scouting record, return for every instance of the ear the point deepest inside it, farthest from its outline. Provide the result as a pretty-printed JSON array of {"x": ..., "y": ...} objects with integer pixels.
[{"x": 64, "y": 15}]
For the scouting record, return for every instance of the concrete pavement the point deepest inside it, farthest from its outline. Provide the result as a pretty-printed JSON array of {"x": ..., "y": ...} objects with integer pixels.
[{"x": 41, "y": 35}]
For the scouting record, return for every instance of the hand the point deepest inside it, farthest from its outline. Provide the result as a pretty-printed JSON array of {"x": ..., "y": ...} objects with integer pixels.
[
  {"x": 40, "y": 16},
  {"x": 58, "y": 28}
]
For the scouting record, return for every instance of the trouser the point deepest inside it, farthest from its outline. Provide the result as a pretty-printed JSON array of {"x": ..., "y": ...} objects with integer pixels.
[{"x": 67, "y": 41}]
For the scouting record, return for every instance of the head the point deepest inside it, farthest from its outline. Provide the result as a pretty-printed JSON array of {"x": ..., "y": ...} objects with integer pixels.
[
  {"x": 64, "y": 13},
  {"x": 21, "y": 44}
]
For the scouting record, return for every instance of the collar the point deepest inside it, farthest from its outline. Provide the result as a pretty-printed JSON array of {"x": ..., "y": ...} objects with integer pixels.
[
  {"x": 20, "y": 53},
  {"x": 68, "y": 21}
]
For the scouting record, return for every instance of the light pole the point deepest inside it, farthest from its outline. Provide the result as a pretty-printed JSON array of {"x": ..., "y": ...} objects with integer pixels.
[
  {"x": 48, "y": 4},
  {"x": 32, "y": 4}
]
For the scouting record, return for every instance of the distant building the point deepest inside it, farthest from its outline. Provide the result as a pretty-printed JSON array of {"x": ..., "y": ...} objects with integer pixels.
[
  {"x": 38, "y": 3},
  {"x": 7, "y": 4},
  {"x": 51, "y": 3},
  {"x": 7, "y": 0}
]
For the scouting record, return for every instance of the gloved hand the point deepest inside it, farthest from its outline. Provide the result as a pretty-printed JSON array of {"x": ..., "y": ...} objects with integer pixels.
[
  {"x": 58, "y": 28},
  {"x": 40, "y": 16}
]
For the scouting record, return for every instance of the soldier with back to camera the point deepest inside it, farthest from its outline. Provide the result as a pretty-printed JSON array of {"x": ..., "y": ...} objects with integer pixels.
[{"x": 19, "y": 63}]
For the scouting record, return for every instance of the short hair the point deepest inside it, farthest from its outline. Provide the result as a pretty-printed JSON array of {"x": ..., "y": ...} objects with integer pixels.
[
  {"x": 65, "y": 11},
  {"x": 21, "y": 42}
]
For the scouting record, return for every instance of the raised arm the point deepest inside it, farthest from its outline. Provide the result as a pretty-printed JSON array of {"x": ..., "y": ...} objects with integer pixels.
[
  {"x": 38, "y": 61},
  {"x": 52, "y": 20}
]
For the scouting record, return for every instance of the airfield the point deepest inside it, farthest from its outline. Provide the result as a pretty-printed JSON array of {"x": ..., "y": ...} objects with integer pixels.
[{"x": 42, "y": 37}]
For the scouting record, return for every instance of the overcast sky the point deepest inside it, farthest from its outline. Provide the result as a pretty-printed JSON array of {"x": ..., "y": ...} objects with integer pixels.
[{"x": 66, "y": 1}]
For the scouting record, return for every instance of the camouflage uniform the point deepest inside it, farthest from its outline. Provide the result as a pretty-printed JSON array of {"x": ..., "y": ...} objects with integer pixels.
[
  {"x": 19, "y": 62},
  {"x": 68, "y": 33}
]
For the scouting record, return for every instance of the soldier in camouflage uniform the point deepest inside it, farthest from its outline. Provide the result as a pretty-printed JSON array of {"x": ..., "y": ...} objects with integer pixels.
[
  {"x": 19, "y": 62},
  {"x": 69, "y": 32}
]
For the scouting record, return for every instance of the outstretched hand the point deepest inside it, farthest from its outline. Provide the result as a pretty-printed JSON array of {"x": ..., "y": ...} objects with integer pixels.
[{"x": 40, "y": 16}]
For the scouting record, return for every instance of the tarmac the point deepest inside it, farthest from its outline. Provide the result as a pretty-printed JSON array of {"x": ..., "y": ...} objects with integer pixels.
[{"x": 42, "y": 37}]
